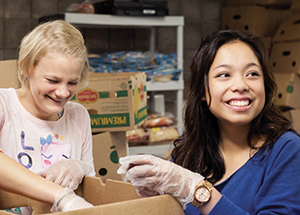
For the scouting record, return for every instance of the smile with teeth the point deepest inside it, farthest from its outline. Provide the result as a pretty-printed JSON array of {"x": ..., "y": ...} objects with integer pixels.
[
  {"x": 239, "y": 103},
  {"x": 54, "y": 99}
]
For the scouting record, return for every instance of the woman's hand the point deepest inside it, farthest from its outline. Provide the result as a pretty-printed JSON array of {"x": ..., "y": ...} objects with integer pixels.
[
  {"x": 67, "y": 172},
  {"x": 67, "y": 200},
  {"x": 151, "y": 175}
]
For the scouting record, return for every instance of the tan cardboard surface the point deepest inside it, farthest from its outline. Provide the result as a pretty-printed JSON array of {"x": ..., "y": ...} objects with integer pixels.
[
  {"x": 267, "y": 41},
  {"x": 285, "y": 57},
  {"x": 9, "y": 74},
  {"x": 258, "y": 20},
  {"x": 113, "y": 198},
  {"x": 294, "y": 116},
  {"x": 288, "y": 90},
  {"x": 116, "y": 102},
  {"x": 295, "y": 6},
  {"x": 108, "y": 147},
  {"x": 289, "y": 29}
]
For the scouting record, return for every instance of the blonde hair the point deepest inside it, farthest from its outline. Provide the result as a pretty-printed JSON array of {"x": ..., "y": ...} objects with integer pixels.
[{"x": 51, "y": 37}]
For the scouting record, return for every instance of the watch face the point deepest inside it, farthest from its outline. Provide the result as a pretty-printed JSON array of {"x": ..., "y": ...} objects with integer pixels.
[{"x": 202, "y": 194}]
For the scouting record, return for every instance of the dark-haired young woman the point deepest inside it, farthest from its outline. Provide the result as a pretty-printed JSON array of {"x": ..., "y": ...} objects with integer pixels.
[{"x": 238, "y": 154}]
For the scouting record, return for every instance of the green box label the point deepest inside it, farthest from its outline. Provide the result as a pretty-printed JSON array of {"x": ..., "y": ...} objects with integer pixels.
[{"x": 110, "y": 120}]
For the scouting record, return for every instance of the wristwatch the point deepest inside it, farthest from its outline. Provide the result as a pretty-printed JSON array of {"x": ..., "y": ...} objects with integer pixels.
[{"x": 202, "y": 193}]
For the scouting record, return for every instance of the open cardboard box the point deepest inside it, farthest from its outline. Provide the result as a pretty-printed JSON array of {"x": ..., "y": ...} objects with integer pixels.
[{"x": 113, "y": 198}]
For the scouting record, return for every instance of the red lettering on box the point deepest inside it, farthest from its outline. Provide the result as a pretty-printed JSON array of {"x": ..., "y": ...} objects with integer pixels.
[{"x": 87, "y": 95}]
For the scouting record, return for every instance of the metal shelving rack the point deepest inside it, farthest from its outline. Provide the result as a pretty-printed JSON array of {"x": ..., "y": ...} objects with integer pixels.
[{"x": 96, "y": 20}]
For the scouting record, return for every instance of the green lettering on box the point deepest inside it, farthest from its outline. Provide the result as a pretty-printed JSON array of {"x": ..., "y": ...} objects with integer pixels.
[{"x": 110, "y": 120}]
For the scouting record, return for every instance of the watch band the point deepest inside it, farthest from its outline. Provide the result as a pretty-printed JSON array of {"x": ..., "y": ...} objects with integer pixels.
[{"x": 205, "y": 188}]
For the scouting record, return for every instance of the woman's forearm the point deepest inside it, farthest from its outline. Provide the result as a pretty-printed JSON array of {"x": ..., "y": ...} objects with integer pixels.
[{"x": 17, "y": 179}]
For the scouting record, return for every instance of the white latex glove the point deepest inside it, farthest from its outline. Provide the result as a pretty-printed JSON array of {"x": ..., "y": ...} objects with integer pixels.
[
  {"x": 67, "y": 172},
  {"x": 67, "y": 200},
  {"x": 151, "y": 175}
]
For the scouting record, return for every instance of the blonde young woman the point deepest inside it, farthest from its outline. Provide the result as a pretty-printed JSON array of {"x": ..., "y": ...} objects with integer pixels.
[{"x": 39, "y": 128}]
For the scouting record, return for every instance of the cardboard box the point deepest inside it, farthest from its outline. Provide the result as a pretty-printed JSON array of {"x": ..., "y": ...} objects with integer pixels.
[
  {"x": 113, "y": 198},
  {"x": 116, "y": 102},
  {"x": 294, "y": 116},
  {"x": 271, "y": 3},
  {"x": 258, "y": 20},
  {"x": 289, "y": 29},
  {"x": 288, "y": 90},
  {"x": 108, "y": 147},
  {"x": 285, "y": 57},
  {"x": 9, "y": 74}
]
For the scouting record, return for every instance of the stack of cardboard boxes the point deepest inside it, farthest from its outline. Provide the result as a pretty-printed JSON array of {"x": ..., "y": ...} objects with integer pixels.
[
  {"x": 260, "y": 17},
  {"x": 277, "y": 22},
  {"x": 285, "y": 61}
]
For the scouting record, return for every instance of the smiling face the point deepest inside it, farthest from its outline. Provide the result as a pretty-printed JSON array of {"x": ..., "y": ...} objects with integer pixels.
[
  {"x": 52, "y": 83},
  {"x": 236, "y": 85}
]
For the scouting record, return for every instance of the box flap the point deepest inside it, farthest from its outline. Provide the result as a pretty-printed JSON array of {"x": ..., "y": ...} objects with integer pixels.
[
  {"x": 99, "y": 193},
  {"x": 108, "y": 147},
  {"x": 289, "y": 29}
]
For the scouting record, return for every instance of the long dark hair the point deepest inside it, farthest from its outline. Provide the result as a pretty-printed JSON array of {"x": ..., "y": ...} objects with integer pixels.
[{"x": 198, "y": 148}]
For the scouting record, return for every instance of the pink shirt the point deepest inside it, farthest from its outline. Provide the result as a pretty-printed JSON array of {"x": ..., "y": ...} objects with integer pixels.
[{"x": 36, "y": 143}]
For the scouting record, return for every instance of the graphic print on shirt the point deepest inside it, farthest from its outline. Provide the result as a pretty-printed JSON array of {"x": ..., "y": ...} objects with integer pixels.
[
  {"x": 53, "y": 150},
  {"x": 21, "y": 155}
]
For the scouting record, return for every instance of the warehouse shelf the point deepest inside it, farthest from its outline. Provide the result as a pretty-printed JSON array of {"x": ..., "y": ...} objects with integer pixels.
[
  {"x": 113, "y": 21},
  {"x": 93, "y": 20}
]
